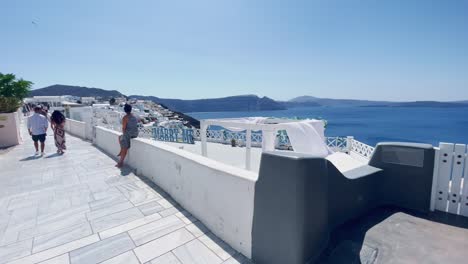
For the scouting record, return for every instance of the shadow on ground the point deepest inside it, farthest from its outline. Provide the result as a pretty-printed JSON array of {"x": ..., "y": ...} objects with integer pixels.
[
  {"x": 390, "y": 235},
  {"x": 34, "y": 157}
]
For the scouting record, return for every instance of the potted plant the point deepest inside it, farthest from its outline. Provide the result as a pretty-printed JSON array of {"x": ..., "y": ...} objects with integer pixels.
[
  {"x": 12, "y": 93},
  {"x": 233, "y": 142}
]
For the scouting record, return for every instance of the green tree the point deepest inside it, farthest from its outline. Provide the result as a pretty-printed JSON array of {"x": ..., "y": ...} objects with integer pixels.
[
  {"x": 12, "y": 92},
  {"x": 112, "y": 101}
]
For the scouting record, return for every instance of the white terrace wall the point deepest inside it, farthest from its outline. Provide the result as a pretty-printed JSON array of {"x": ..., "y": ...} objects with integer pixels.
[
  {"x": 219, "y": 195},
  {"x": 108, "y": 141},
  {"x": 76, "y": 128},
  {"x": 10, "y": 129}
]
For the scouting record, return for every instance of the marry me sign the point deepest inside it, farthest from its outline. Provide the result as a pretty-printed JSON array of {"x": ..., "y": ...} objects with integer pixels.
[{"x": 173, "y": 135}]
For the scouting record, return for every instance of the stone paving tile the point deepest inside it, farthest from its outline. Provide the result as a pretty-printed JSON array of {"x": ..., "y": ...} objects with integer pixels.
[
  {"x": 151, "y": 208},
  {"x": 61, "y": 237},
  {"x": 56, "y": 251},
  {"x": 63, "y": 215},
  {"x": 15, "y": 251},
  {"x": 53, "y": 206},
  {"x": 162, "y": 245},
  {"x": 109, "y": 210},
  {"x": 168, "y": 212},
  {"x": 167, "y": 203},
  {"x": 107, "y": 201},
  {"x": 238, "y": 259},
  {"x": 22, "y": 217},
  {"x": 186, "y": 217},
  {"x": 81, "y": 199},
  {"x": 9, "y": 236},
  {"x": 168, "y": 258},
  {"x": 21, "y": 203},
  {"x": 129, "y": 226},
  {"x": 195, "y": 252},
  {"x": 62, "y": 259},
  {"x": 104, "y": 193},
  {"x": 49, "y": 227},
  {"x": 79, "y": 207},
  {"x": 125, "y": 258},
  {"x": 116, "y": 219},
  {"x": 102, "y": 250},
  {"x": 156, "y": 229},
  {"x": 223, "y": 250},
  {"x": 141, "y": 196},
  {"x": 197, "y": 229}
]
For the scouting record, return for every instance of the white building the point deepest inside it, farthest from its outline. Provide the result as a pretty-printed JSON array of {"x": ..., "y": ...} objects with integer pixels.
[
  {"x": 88, "y": 100},
  {"x": 56, "y": 102}
]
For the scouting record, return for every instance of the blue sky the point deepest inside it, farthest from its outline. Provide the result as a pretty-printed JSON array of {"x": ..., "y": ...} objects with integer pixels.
[{"x": 389, "y": 50}]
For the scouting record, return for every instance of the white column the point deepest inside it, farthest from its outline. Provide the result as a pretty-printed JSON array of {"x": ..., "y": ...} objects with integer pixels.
[
  {"x": 248, "y": 144},
  {"x": 349, "y": 143},
  {"x": 268, "y": 140},
  {"x": 203, "y": 129}
]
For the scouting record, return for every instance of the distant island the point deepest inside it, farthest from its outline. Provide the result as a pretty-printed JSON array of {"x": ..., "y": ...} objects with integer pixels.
[
  {"x": 60, "y": 89},
  {"x": 243, "y": 103}
]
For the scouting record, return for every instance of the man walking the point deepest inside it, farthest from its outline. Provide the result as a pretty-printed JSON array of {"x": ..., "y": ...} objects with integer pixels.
[{"x": 37, "y": 127}]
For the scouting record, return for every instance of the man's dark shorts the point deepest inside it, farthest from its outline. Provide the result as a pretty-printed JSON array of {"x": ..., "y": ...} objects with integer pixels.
[{"x": 40, "y": 138}]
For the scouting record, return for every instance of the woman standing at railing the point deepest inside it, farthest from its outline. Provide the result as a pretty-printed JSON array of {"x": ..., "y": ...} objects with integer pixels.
[
  {"x": 57, "y": 123},
  {"x": 129, "y": 130}
]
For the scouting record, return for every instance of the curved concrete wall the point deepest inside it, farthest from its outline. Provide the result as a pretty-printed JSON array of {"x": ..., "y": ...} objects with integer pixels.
[
  {"x": 291, "y": 210},
  {"x": 219, "y": 195},
  {"x": 301, "y": 199}
]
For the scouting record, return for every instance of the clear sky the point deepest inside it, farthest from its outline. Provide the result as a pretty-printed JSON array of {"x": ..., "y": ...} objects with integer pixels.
[{"x": 367, "y": 49}]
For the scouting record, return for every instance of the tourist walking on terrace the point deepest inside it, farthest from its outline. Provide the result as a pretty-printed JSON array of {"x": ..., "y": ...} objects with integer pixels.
[
  {"x": 37, "y": 127},
  {"x": 129, "y": 131},
  {"x": 57, "y": 123}
]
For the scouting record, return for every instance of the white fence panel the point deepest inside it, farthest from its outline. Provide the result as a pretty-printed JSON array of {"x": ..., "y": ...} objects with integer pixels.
[
  {"x": 451, "y": 171},
  {"x": 464, "y": 199},
  {"x": 457, "y": 175},
  {"x": 444, "y": 175}
]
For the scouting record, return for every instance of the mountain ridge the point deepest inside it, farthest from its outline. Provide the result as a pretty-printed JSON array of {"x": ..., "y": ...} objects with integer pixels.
[
  {"x": 230, "y": 103},
  {"x": 248, "y": 102},
  {"x": 80, "y": 91}
]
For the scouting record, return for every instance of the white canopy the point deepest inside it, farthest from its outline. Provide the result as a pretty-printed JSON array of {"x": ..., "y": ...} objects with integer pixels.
[{"x": 306, "y": 136}]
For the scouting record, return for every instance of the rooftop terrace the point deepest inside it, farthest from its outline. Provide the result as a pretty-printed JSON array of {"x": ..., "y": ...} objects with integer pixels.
[
  {"x": 290, "y": 208},
  {"x": 78, "y": 208}
]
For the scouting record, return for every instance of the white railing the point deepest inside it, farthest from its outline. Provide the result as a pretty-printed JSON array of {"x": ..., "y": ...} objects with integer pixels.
[
  {"x": 360, "y": 148},
  {"x": 337, "y": 144}
]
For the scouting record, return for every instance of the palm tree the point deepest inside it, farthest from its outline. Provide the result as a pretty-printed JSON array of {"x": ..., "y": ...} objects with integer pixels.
[{"x": 12, "y": 92}]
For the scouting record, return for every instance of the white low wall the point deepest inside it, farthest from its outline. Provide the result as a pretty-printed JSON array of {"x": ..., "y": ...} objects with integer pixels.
[
  {"x": 76, "y": 128},
  {"x": 219, "y": 195},
  {"x": 10, "y": 133},
  {"x": 108, "y": 140}
]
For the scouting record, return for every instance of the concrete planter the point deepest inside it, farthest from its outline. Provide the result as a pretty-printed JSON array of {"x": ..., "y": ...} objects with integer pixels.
[{"x": 10, "y": 129}]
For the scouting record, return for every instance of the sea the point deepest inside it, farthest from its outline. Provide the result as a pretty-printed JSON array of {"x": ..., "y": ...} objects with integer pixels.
[{"x": 372, "y": 125}]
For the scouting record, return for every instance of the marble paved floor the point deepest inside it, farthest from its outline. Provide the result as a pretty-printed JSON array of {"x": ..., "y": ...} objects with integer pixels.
[{"x": 78, "y": 208}]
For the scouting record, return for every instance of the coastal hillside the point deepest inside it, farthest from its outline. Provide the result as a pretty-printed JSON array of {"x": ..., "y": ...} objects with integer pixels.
[
  {"x": 314, "y": 101},
  {"x": 236, "y": 103},
  {"x": 427, "y": 104},
  {"x": 60, "y": 89},
  {"x": 232, "y": 103}
]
